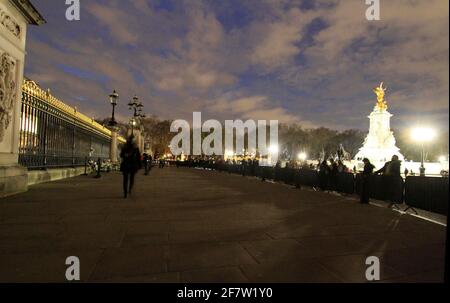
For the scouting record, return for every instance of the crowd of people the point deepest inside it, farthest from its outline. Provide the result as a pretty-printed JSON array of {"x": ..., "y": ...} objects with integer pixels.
[{"x": 328, "y": 170}]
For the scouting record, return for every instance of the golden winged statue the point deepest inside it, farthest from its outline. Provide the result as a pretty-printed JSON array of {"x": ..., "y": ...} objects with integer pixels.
[{"x": 380, "y": 92}]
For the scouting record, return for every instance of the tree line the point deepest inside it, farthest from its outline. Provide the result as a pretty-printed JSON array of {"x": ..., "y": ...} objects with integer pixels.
[{"x": 293, "y": 139}]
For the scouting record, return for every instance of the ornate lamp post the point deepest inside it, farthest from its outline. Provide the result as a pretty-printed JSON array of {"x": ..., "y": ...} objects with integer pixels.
[
  {"x": 113, "y": 98},
  {"x": 137, "y": 106}
]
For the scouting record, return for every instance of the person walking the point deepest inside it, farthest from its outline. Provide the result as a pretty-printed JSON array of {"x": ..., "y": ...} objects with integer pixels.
[
  {"x": 131, "y": 163},
  {"x": 366, "y": 174}
]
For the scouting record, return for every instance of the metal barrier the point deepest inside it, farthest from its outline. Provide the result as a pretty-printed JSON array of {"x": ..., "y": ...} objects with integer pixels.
[
  {"x": 384, "y": 188},
  {"x": 345, "y": 183},
  {"x": 308, "y": 177},
  {"x": 427, "y": 193},
  {"x": 54, "y": 134}
]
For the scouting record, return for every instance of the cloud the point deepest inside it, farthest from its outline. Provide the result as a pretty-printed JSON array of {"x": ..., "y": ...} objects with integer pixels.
[
  {"x": 115, "y": 20},
  {"x": 278, "y": 42},
  {"x": 314, "y": 62},
  {"x": 254, "y": 108},
  {"x": 408, "y": 49}
]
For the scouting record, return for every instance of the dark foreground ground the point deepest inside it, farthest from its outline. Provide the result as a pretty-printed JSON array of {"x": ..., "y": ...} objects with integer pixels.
[{"x": 185, "y": 225}]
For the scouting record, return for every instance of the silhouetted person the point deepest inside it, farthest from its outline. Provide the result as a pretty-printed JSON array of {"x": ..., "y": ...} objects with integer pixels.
[
  {"x": 391, "y": 178},
  {"x": 278, "y": 164},
  {"x": 391, "y": 168},
  {"x": 244, "y": 167},
  {"x": 131, "y": 162},
  {"x": 406, "y": 172},
  {"x": 146, "y": 161},
  {"x": 334, "y": 170},
  {"x": 366, "y": 174},
  {"x": 324, "y": 172}
]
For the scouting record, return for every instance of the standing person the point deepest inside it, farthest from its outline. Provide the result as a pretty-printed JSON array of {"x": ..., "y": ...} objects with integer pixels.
[
  {"x": 406, "y": 172},
  {"x": 334, "y": 170},
  {"x": 324, "y": 171},
  {"x": 391, "y": 168},
  {"x": 392, "y": 179},
  {"x": 145, "y": 160},
  {"x": 131, "y": 162},
  {"x": 367, "y": 172},
  {"x": 243, "y": 167}
]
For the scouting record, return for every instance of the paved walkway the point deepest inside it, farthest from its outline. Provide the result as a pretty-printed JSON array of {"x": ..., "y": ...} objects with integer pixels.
[{"x": 186, "y": 225}]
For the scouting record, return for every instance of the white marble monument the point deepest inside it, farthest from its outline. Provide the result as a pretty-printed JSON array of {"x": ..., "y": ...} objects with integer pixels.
[{"x": 379, "y": 145}]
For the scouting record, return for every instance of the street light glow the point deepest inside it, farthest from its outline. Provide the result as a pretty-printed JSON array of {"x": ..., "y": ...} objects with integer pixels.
[
  {"x": 302, "y": 156},
  {"x": 273, "y": 149},
  {"x": 423, "y": 134}
]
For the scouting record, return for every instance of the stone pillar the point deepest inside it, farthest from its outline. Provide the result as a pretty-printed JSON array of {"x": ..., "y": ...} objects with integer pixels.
[
  {"x": 142, "y": 140},
  {"x": 14, "y": 18},
  {"x": 114, "y": 146},
  {"x": 139, "y": 141}
]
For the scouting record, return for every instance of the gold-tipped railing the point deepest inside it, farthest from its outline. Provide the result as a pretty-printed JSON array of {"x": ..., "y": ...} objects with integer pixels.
[{"x": 31, "y": 88}]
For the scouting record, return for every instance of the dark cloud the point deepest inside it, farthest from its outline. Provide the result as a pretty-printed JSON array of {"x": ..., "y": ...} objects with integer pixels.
[{"x": 314, "y": 62}]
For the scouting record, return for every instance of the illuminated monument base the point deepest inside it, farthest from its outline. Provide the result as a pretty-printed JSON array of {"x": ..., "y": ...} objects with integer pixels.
[{"x": 379, "y": 145}]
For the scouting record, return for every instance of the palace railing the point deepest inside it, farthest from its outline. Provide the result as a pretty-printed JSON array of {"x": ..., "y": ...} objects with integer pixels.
[{"x": 55, "y": 135}]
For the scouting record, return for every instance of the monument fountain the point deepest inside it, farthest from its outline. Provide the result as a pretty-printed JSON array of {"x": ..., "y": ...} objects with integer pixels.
[{"x": 379, "y": 145}]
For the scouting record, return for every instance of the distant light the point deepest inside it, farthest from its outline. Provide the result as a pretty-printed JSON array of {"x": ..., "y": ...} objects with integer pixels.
[
  {"x": 423, "y": 134},
  {"x": 273, "y": 149},
  {"x": 442, "y": 158},
  {"x": 229, "y": 153},
  {"x": 302, "y": 156}
]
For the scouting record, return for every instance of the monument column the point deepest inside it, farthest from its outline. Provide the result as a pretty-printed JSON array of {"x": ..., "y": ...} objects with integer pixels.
[{"x": 15, "y": 16}]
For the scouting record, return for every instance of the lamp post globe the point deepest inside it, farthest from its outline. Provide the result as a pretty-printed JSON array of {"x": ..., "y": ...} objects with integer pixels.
[{"x": 113, "y": 99}]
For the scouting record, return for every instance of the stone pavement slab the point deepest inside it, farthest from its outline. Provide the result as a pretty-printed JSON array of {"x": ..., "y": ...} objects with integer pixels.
[{"x": 189, "y": 225}]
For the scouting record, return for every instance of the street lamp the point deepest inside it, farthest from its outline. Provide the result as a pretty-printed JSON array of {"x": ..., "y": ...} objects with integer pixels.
[
  {"x": 113, "y": 99},
  {"x": 137, "y": 106},
  {"x": 422, "y": 135}
]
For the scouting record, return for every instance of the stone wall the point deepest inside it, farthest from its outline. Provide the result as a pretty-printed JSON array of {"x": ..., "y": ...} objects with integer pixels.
[{"x": 48, "y": 175}]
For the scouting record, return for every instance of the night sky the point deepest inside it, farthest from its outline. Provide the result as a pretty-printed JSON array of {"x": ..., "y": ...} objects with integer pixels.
[{"x": 311, "y": 62}]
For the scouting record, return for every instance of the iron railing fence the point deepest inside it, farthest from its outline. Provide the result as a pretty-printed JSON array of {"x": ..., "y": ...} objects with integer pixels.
[{"x": 55, "y": 135}]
